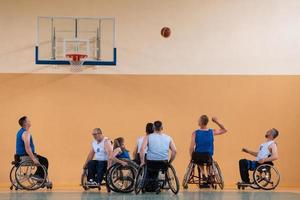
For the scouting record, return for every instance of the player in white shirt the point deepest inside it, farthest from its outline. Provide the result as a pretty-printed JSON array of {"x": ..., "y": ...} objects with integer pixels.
[
  {"x": 102, "y": 150},
  {"x": 266, "y": 154},
  {"x": 137, "y": 149}
]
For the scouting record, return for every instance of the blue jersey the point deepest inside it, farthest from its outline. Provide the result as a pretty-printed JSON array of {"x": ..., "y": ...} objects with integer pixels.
[
  {"x": 204, "y": 141},
  {"x": 20, "y": 145},
  {"x": 124, "y": 155}
]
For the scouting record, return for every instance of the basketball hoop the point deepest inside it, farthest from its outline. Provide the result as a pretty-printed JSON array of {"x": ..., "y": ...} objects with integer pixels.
[{"x": 76, "y": 61}]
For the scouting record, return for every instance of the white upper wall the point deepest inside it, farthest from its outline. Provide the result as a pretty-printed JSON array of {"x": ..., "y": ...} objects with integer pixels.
[{"x": 208, "y": 36}]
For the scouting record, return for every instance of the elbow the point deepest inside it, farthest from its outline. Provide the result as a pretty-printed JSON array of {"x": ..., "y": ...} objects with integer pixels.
[{"x": 174, "y": 152}]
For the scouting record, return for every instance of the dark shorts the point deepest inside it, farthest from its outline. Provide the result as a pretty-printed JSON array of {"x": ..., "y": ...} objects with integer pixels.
[{"x": 201, "y": 158}]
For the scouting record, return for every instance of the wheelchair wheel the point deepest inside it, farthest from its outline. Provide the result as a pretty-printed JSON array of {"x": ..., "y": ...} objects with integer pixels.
[
  {"x": 24, "y": 176},
  {"x": 140, "y": 179},
  {"x": 187, "y": 175},
  {"x": 83, "y": 180},
  {"x": 218, "y": 175},
  {"x": 121, "y": 178},
  {"x": 172, "y": 179},
  {"x": 12, "y": 179},
  {"x": 266, "y": 177}
]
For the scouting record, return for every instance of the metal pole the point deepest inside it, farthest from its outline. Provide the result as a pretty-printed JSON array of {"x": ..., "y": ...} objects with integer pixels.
[{"x": 53, "y": 41}]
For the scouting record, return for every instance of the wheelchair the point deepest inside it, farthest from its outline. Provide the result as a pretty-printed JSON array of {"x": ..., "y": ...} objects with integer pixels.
[
  {"x": 22, "y": 175},
  {"x": 191, "y": 177},
  {"x": 167, "y": 179},
  {"x": 265, "y": 177},
  {"x": 86, "y": 186},
  {"x": 117, "y": 178}
]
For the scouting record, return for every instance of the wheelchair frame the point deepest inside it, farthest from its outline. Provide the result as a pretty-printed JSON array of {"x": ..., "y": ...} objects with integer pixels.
[
  {"x": 16, "y": 172},
  {"x": 164, "y": 184},
  {"x": 190, "y": 176},
  {"x": 109, "y": 180},
  {"x": 260, "y": 174},
  {"x": 116, "y": 178}
]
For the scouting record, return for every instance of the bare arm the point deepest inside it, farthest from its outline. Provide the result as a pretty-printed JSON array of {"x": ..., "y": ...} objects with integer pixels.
[
  {"x": 89, "y": 157},
  {"x": 253, "y": 153},
  {"x": 111, "y": 154},
  {"x": 222, "y": 129},
  {"x": 26, "y": 138},
  {"x": 173, "y": 151},
  {"x": 192, "y": 145},
  {"x": 134, "y": 153},
  {"x": 143, "y": 149}
]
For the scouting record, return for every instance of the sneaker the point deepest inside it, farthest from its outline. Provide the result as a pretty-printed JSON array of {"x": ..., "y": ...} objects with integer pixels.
[
  {"x": 254, "y": 186},
  {"x": 91, "y": 183}
]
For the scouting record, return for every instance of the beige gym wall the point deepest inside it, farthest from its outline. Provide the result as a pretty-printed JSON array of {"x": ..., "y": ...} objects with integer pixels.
[
  {"x": 65, "y": 108},
  {"x": 249, "y": 46}
]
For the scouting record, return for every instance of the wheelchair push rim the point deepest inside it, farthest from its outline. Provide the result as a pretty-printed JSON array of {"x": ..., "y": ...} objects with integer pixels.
[
  {"x": 121, "y": 178},
  {"x": 218, "y": 175},
  {"x": 13, "y": 180},
  {"x": 172, "y": 180},
  {"x": 187, "y": 175},
  {"x": 266, "y": 177},
  {"x": 139, "y": 180}
]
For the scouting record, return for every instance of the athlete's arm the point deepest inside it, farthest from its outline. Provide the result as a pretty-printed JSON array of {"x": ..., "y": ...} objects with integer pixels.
[
  {"x": 192, "y": 145},
  {"x": 143, "y": 150},
  {"x": 109, "y": 150},
  {"x": 134, "y": 153},
  {"x": 222, "y": 129},
  {"x": 26, "y": 138},
  {"x": 89, "y": 157},
  {"x": 173, "y": 151},
  {"x": 253, "y": 153}
]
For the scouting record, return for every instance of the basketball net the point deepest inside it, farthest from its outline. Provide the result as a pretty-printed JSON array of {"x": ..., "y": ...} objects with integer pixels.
[{"x": 76, "y": 61}]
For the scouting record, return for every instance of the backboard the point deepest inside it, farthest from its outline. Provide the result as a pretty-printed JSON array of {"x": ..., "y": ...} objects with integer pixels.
[{"x": 58, "y": 36}]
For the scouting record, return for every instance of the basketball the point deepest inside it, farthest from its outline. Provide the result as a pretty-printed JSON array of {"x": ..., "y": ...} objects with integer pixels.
[{"x": 165, "y": 32}]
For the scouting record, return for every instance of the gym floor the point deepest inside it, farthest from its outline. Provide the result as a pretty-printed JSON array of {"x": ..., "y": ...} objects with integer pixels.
[{"x": 211, "y": 195}]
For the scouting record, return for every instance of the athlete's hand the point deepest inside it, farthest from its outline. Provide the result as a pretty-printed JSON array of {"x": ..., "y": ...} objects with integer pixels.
[
  {"x": 142, "y": 163},
  {"x": 36, "y": 162},
  {"x": 262, "y": 161},
  {"x": 214, "y": 119},
  {"x": 245, "y": 150},
  {"x": 84, "y": 166},
  {"x": 123, "y": 163}
]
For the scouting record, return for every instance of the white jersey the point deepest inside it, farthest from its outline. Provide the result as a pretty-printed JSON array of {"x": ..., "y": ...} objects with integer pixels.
[
  {"x": 264, "y": 151},
  {"x": 158, "y": 146},
  {"x": 100, "y": 153},
  {"x": 139, "y": 144}
]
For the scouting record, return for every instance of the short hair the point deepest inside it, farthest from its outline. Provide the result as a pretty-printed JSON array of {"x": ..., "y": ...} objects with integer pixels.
[
  {"x": 22, "y": 121},
  {"x": 204, "y": 120},
  {"x": 157, "y": 125},
  {"x": 275, "y": 133},
  {"x": 97, "y": 130},
  {"x": 149, "y": 128}
]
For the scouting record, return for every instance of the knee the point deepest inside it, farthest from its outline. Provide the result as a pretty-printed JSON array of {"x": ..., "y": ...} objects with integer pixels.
[
  {"x": 242, "y": 162},
  {"x": 90, "y": 163}
]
